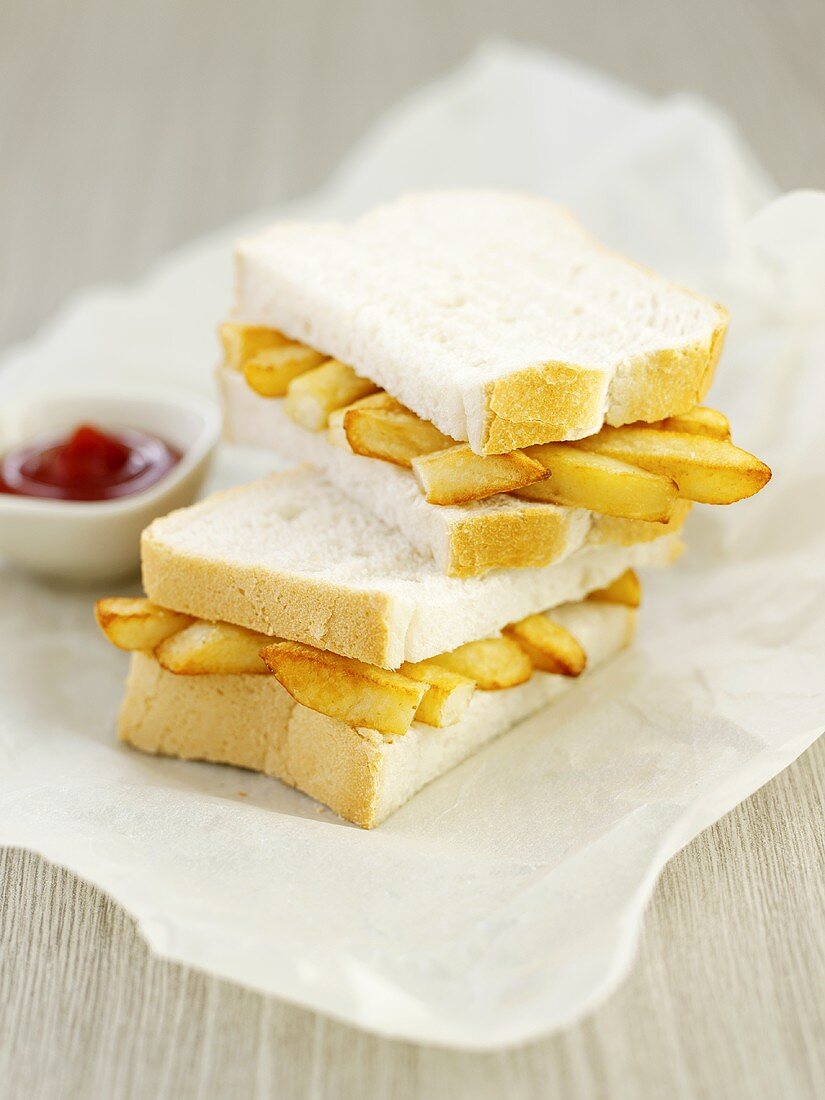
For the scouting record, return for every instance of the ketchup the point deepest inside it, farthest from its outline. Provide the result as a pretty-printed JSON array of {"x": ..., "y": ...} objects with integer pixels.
[{"x": 87, "y": 464}]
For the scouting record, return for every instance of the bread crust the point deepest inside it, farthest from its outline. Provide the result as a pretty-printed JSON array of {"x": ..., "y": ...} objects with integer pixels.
[
  {"x": 507, "y": 540},
  {"x": 453, "y": 302},
  {"x": 464, "y": 541},
  {"x": 369, "y": 624},
  {"x": 627, "y": 532},
  {"x": 341, "y": 580},
  {"x": 572, "y": 402},
  {"x": 541, "y": 404},
  {"x": 251, "y": 722},
  {"x": 672, "y": 378}
]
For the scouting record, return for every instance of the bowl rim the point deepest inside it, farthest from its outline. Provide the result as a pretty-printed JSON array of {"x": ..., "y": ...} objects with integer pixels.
[{"x": 204, "y": 442}]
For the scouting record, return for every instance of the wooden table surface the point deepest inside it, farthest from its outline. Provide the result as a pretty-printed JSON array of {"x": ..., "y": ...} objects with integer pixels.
[{"x": 127, "y": 128}]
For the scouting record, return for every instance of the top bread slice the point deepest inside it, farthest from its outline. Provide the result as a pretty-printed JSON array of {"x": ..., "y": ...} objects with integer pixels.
[
  {"x": 492, "y": 314},
  {"x": 290, "y": 556}
]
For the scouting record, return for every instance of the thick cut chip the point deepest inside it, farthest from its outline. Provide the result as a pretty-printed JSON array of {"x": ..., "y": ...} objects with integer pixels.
[
  {"x": 137, "y": 623},
  {"x": 240, "y": 342},
  {"x": 457, "y": 474},
  {"x": 311, "y": 397},
  {"x": 336, "y": 434},
  {"x": 392, "y": 433},
  {"x": 709, "y": 471},
  {"x": 448, "y": 694},
  {"x": 579, "y": 479},
  {"x": 343, "y": 688},
  {"x": 270, "y": 371},
  {"x": 699, "y": 421},
  {"x": 219, "y": 649},
  {"x": 626, "y": 590},
  {"x": 494, "y": 663},
  {"x": 549, "y": 646}
]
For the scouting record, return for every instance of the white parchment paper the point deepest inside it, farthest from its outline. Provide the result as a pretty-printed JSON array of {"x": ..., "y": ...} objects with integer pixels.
[{"x": 506, "y": 899}]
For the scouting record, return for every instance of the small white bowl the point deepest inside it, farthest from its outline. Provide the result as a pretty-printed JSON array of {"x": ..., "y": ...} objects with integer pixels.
[{"x": 81, "y": 541}]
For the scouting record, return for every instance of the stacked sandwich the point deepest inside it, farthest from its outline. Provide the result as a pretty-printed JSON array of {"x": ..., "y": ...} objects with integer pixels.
[{"x": 498, "y": 422}]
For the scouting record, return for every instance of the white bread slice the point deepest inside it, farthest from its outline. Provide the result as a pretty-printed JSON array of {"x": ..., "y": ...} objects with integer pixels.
[
  {"x": 252, "y": 722},
  {"x": 465, "y": 540},
  {"x": 290, "y": 556},
  {"x": 492, "y": 314}
]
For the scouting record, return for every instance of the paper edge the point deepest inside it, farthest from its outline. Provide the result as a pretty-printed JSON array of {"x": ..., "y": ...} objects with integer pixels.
[{"x": 714, "y": 805}]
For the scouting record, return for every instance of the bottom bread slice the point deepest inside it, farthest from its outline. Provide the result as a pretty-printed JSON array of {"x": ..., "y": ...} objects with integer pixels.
[{"x": 252, "y": 722}]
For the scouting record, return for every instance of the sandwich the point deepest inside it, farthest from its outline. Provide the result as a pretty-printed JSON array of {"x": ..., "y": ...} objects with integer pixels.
[
  {"x": 476, "y": 370},
  {"x": 287, "y": 632},
  {"x": 497, "y": 424}
]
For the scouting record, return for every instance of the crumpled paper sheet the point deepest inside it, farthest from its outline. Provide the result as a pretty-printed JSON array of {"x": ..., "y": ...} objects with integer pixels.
[{"x": 506, "y": 899}]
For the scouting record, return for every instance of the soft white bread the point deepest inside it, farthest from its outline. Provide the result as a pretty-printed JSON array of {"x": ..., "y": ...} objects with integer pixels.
[
  {"x": 252, "y": 722},
  {"x": 464, "y": 540},
  {"x": 492, "y": 314},
  {"x": 290, "y": 556}
]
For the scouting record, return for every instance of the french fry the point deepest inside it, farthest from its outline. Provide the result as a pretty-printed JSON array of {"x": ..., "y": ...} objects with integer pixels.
[
  {"x": 240, "y": 342},
  {"x": 549, "y": 646},
  {"x": 457, "y": 475},
  {"x": 212, "y": 649},
  {"x": 137, "y": 623},
  {"x": 494, "y": 663},
  {"x": 270, "y": 371},
  {"x": 709, "y": 471},
  {"x": 448, "y": 694},
  {"x": 626, "y": 590},
  {"x": 311, "y": 397},
  {"x": 699, "y": 421},
  {"x": 336, "y": 435},
  {"x": 392, "y": 433},
  {"x": 580, "y": 479},
  {"x": 343, "y": 688}
]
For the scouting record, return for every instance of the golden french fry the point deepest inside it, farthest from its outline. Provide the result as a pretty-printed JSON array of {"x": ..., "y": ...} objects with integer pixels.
[
  {"x": 311, "y": 397},
  {"x": 699, "y": 421},
  {"x": 548, "y": 645},
  {"x": 580, "y": 479},
  {"x": 448, "y": 694},
  {"x": 626, "y": 589},
  {"x": 270, "y": 371},
  {"x": 240, "y": 342},
  {"x": 336, "y": 435},
  {"x": 457, "y": 475},
  {"x": 343, "y": 688},
  {"x": 135, "y": 623},
  {"x": 212, "y": 649},
  {"x": 392, "y": 433},
  {"x": 709, "y": 471},
  {"x": 494, "y": 663}
]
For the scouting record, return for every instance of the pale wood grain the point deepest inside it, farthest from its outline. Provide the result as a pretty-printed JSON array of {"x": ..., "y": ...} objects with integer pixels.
[{"x": 128, "y": 128}]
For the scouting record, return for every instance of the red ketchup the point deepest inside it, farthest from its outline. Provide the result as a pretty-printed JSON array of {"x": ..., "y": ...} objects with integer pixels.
[{"x": 87, "y": 464}]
